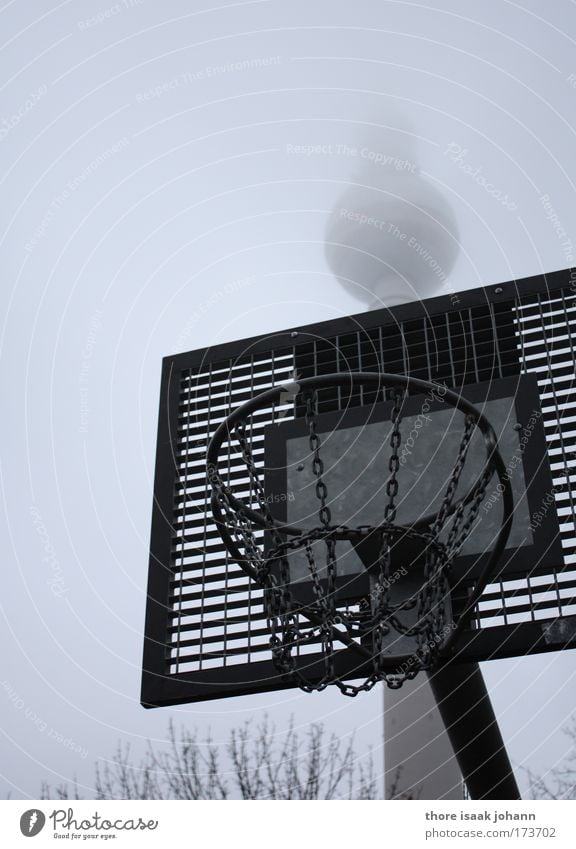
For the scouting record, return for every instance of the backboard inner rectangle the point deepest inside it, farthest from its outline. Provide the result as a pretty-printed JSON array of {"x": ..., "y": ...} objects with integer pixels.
[{"x": 355, "y": 451}]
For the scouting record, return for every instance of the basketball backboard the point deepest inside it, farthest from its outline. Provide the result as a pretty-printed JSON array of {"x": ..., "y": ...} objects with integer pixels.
[{"x": 508, "y": 348}]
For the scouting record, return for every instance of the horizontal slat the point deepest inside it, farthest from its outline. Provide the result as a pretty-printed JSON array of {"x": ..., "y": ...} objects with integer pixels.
[
  {"x": 217, "y": 593},
  {"x": 207, "y": 607},
  {"x": 230, "y": 395},
  {"x": 224, "y": 371},
  {"x": 528, "y": 609},
  {"x": 210, "y": 639},
  {"x": 224, "y": 653}
]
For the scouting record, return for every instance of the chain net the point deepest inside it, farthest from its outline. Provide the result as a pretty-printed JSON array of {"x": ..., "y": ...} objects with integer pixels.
[{"x": 365, "y": 627}]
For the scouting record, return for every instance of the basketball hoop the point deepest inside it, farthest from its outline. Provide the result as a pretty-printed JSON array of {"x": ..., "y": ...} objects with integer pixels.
[{"x": 395, "y": 628}]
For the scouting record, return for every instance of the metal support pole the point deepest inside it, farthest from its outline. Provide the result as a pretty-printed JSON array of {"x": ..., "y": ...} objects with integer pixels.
[{"x": 471, "y": 725}]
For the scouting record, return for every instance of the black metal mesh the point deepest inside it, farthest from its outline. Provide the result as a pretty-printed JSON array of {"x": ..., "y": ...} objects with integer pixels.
[
  {"x": 215, "y": 616},
  {"x": 545, "y": 331}
]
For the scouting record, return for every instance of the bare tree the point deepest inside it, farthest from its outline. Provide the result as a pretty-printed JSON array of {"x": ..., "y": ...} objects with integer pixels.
[
  {"x": 260, "y": 765},
  {"x": 560, "y": 782}
]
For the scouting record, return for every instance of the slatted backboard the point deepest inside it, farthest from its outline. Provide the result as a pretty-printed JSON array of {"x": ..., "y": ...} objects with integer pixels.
[{"x": 206, "y": 634}]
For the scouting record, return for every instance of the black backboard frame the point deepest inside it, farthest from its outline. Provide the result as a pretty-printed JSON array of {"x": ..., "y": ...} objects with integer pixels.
[{"x": 487, "y": 311}]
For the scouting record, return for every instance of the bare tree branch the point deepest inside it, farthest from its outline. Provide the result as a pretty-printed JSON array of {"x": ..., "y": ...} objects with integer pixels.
[
  {"x": 258, "y": 762},
  {"x": 560, "y": 782}
]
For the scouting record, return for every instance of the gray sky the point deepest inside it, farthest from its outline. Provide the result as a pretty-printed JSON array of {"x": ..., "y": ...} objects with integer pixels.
[{"x": 142, "y": 172}]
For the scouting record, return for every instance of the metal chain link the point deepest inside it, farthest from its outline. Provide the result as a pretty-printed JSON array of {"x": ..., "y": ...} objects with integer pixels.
[
  {"x": 258, "y": 486},
  {"x": 469, "y": 428},
  {"x": 394, "y": 461},
  {"x": 382, "y": 612},
  {"x": 324, "y": 513}
]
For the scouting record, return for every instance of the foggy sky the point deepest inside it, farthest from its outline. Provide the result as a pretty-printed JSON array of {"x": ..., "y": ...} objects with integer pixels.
[{"x": 168, "y": 174}]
